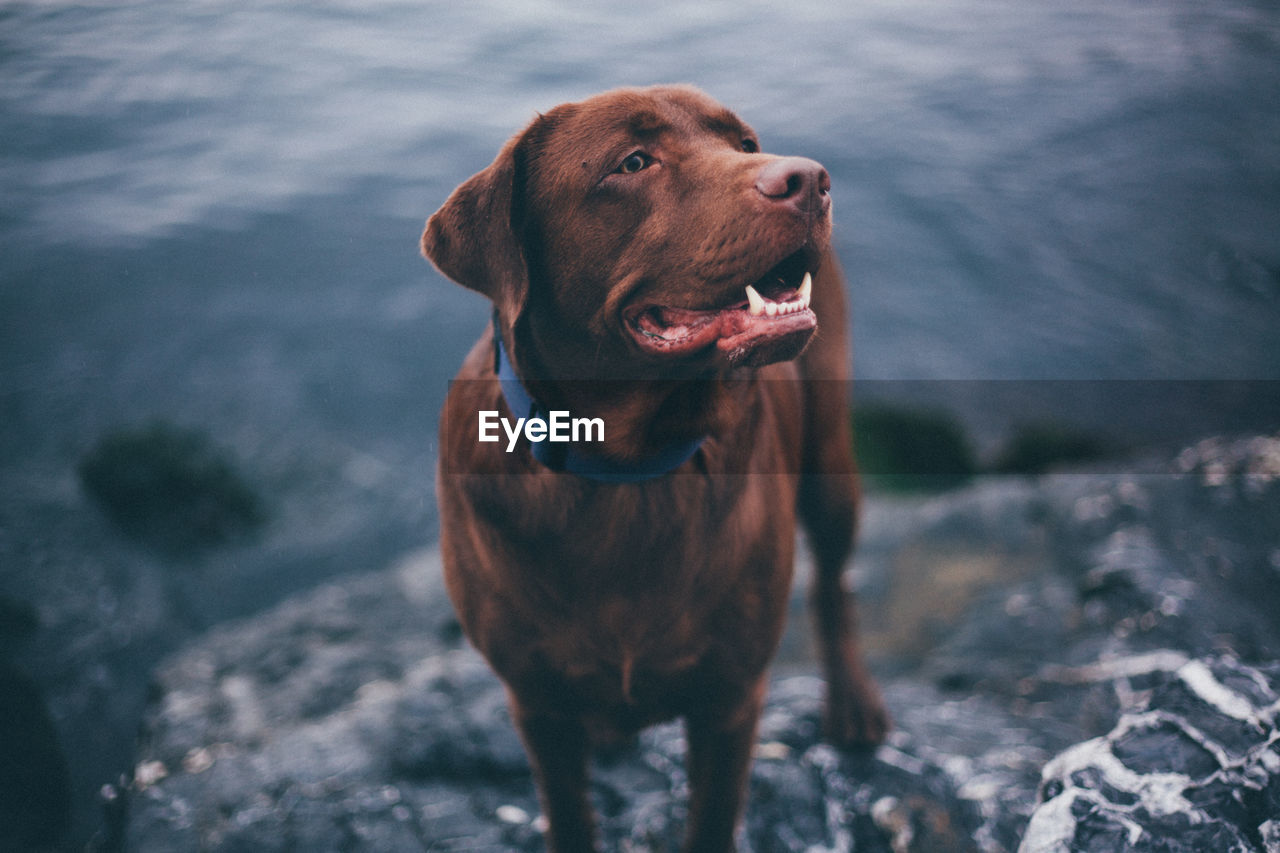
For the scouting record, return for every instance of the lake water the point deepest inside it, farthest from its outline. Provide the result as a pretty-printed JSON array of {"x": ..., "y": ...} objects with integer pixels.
[{"x": 211, "y": 209}]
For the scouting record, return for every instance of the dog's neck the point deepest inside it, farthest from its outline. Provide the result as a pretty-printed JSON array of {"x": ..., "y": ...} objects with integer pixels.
[{"x": 651, "y": 425}]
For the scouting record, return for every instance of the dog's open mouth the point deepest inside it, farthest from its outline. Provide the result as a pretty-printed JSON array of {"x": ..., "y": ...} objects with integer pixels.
[{"x": 771, "y": 321}]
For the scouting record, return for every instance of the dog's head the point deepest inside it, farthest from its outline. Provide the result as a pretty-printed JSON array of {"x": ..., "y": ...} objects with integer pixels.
[{"x": 640, "y": 232}]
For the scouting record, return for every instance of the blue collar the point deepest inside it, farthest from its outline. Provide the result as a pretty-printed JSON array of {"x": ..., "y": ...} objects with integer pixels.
[{"x": 566, "y": 457}]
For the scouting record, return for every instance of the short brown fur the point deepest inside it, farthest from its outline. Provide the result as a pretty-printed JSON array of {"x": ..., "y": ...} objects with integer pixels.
[{"x": 607, "y": 607}]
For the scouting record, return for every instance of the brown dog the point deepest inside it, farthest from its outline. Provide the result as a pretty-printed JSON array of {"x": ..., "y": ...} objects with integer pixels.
[{"x": 649, "y": 268}]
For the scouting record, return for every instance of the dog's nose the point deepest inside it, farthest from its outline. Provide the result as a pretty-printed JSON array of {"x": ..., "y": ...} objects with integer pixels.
[{"x": 797, "y": 181}]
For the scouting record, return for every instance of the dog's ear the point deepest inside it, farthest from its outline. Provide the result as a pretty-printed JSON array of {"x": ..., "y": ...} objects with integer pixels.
[{"x": 476, "y": 237}]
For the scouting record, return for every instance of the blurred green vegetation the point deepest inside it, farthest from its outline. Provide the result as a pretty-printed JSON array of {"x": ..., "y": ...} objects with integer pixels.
[
  {"x": 905, "y": 449},
  {"x": 1040, "y": 447},
  {"x": 171, "y": 488}
]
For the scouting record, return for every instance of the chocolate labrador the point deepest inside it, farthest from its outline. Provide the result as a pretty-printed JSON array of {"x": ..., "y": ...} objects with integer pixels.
[{"x": 658, "y": 280}]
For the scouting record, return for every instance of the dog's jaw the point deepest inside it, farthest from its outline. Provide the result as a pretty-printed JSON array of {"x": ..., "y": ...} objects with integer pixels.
[{"x": 769, "y": 320}]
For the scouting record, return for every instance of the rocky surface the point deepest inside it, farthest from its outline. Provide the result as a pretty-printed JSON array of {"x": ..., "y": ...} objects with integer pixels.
[
  {"x": 1195, "y": 767},
  {"x": 89, "y": 607},
  {"x": 1097, "y": 673}
]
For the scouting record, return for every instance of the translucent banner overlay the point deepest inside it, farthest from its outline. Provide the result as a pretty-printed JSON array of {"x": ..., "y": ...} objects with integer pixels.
[{"x": 962, "y": 428}]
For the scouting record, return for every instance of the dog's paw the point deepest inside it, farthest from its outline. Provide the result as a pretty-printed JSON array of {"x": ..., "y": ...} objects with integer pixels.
[{"x": 855, "y": 715}]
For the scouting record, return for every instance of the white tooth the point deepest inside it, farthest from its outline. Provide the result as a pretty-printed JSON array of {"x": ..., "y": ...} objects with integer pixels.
[
  {"x": 806, "y": 288},
  {"x": 755, "y": 301},
  {"x": 771, "y": 309}
]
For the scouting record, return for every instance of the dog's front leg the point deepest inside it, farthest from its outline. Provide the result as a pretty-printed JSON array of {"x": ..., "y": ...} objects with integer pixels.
[
  {"x": 719, "y": 761},
  {"x": 557, "y": 748},
  {"x": 855, "y": 714}
]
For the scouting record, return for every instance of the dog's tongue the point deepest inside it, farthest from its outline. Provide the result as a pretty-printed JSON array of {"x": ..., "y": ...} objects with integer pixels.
[
  {"x": 759, "y": 330},
  {"x": 674, "y": 324}
]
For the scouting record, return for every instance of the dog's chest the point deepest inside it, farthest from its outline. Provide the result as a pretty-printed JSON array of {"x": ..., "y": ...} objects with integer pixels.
[
  {"x": 622, "y": 674},
  {"x": 637, "y": 601},
  {"x": 622, "y": 642}
]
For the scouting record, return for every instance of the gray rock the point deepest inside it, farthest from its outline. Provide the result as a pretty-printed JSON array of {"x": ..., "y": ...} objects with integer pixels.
[
  {"x": 87, "y": 612},
  {"x": 426, "y": 757},
  {"x": 331, "y": 724},
  {"x": 1098, "y": 672},
  {"x": 1196, "y": 767}
]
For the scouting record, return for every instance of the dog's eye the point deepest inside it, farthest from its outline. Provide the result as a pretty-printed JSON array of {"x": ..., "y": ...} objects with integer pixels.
[
  {"x": 635, "y": 163},
  {"x": 750, "y": 146}
]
